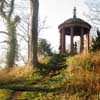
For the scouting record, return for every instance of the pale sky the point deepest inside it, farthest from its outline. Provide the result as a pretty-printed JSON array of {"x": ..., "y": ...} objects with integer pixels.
[{"x": 57, "y": 11}]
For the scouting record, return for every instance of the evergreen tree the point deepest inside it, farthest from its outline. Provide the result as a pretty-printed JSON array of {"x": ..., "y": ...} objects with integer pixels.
[
  {"x": 44, "y": 48},
  {"x": 96, "y": 42}
]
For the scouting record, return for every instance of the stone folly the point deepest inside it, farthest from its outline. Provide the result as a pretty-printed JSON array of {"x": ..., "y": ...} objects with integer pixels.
[{"x": 74, "y": 27}]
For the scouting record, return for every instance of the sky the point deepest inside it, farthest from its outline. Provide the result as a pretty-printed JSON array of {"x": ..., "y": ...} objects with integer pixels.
[{"x": 57, "y": 11}]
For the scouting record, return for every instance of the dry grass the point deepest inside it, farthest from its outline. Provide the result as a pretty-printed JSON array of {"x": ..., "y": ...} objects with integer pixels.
[
  {"x": 79, "y": 81},
  {"x": 90, "y": 61},
  {"x": 15, "y": 74},
  {"x": 84, "y": 72}
]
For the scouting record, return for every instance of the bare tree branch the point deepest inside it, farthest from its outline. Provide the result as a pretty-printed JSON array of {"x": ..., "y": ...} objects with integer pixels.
[
  {"x": 23, "y": 59},
  {"x": 1, "y": 8},
  {"x": 42, "y": 25},
  {"x": 5, "y": 41},
  {"x": 3, "y": 32},
  {"x": 11, "y": 8},
  {"x": 94, "y": 11},
  {"x": 23, "y": 37}
]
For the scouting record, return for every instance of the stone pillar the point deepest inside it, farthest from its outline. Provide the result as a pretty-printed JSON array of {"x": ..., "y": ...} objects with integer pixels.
[
  {"x": 87, "y": 42},
  {"x": 62, "y": 42},
  {"x": 72, "y": 35},
  {"x": 82, "y": 40},
  {"x": 60, "y": 47}
]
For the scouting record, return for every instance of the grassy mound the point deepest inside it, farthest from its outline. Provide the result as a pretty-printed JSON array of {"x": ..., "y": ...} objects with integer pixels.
[
  {"x": 59, "y": 78},
  {"x": 15, "y": 75}
]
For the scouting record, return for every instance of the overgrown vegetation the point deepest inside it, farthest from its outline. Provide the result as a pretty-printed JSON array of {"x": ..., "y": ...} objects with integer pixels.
[
  {"x": 12, "y": 52},
  {"x": 59, "y": 78},
  {"x": 6, "y": 12},
  {"x": 5, "y": 94},
  {"x": 44, "y": 48},
  {"x": 96, "y": 42}
]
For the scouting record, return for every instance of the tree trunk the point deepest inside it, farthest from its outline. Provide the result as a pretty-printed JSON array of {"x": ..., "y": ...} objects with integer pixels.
[
  {"x": 12, "y": 47},
  {"x": 33, "y": 33}
]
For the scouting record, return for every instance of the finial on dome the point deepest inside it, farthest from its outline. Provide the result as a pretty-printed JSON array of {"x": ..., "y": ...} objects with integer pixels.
[{"x": 74, "y": 12}]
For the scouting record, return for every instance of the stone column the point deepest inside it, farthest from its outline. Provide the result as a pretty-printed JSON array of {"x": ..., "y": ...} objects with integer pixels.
[
  {"x": 87, "y": 42},
  {"x": 62, "y": 42},
  {"x": 60, "y": 46},
  {"x": 82, "y": 40},
  {"x": 72, "y": 35}
]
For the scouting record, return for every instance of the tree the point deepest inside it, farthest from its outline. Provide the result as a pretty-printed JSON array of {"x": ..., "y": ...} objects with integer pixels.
[
  {"x": 44, "y": 48},
  {"x": 23, "y": 28},
  {"x": 94, "y": 11},
  {"x": 33, "y": 33},
  {"x": 96, "y": 42},
  {"x": 6, "y": 12}
]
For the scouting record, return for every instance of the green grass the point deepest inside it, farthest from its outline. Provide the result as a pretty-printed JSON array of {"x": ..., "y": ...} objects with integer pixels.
[
  {"x": 59, "y": 78},
  {"x": 5, "y": 94}
]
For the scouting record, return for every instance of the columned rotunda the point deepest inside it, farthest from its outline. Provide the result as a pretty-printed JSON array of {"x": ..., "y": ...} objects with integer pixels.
[{"x": 74, "y": 27}]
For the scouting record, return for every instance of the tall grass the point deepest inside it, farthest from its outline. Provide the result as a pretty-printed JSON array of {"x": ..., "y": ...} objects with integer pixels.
[
  {"x": 80, "y": 80},
  {"x": 87, "y": 61},
  {"x": 84, "y": 72},
  {"x": 16, "y": 74}
]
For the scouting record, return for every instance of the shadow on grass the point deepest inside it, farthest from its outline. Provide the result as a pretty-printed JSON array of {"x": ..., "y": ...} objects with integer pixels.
[{"x": 54, "y": 64}]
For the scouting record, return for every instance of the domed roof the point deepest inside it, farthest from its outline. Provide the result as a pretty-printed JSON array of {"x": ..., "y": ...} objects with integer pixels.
[
  {"x": 74, "y": 22},
  {"x": 77, "y": 22}
]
